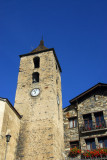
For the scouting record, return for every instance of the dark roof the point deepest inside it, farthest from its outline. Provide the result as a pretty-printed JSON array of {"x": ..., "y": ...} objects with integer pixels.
[
  {"x": 11, "y": 106},
  {"x": 40, "y": 47},
  {"x": 40, "y": 51},
  {"x": 87, "y": 92},
  {"x": 69, "y": 108}
]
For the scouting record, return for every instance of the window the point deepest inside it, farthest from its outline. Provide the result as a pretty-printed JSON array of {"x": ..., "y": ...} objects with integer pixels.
[
  {"x": 35, "y": 77},
  {"x": 72, "y": 122},
  {"x": 99, "y": 119},
  {"x": 74, "y": 144},
  {"x": 87, "y": 121},
  {"x": 90, "y": 144},
  {"x": 36, "y": 61},
  {"x": 57, "y": 80},
  {"x": 56, "y": 67},
  {"x": 102, "y": 142}
]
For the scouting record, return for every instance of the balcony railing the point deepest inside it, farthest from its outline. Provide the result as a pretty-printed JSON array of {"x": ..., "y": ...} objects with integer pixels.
[
  {"x": 88, "y": 127},
  {"x": 100, "y": 158},
  {"x": 95, "y": 154}
]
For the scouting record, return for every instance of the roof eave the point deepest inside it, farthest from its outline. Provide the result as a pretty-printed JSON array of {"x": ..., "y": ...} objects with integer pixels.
[
  {"x": 87, "y": 92},
  {"x": 11, "y": 106}
]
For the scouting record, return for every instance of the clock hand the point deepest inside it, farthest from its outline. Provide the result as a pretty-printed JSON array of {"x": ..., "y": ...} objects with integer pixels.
[{"x": 34, "y": 91}]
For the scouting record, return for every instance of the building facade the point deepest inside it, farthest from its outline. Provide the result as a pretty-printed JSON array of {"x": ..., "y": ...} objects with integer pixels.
[
  {"x": 35, "y": 123},
  {"x": 9, "y": 125},
  {"x": 85, "y": 120},
  {"x": 38, "y": 130}
]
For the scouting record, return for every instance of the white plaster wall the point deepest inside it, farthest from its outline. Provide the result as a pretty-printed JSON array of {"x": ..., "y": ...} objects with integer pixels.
[{"x": 2, "y": 108}]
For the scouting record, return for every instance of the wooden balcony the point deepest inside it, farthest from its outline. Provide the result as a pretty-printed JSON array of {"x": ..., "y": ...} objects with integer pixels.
[{"x": 93, "y": 126}]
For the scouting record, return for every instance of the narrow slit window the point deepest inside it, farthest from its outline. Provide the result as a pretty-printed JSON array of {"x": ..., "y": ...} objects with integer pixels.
[
  {"x": 36, "y": 61},
  {"x": 35, "y": 77}
]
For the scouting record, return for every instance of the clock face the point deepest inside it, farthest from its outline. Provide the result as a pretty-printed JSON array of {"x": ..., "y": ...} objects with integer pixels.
[
  {"x": 58, "y": 100},
  {"x": 35, "y": 92}
]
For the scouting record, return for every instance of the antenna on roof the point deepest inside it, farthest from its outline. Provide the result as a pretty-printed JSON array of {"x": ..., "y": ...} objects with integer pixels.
[{"x": 42, "y": 36}]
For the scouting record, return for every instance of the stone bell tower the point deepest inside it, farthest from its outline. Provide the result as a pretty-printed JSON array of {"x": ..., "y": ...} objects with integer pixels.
[{"x": 39, "y": 101}]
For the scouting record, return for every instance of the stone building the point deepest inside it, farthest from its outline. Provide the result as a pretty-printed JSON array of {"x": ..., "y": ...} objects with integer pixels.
[
  {"x": 35, "y": 123},
  {"x": 32, "y": 129},
  {"x": 85, "y": 120}
]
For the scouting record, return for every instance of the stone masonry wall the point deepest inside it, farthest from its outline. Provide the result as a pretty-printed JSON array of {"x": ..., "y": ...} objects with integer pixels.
[
  {"x": 70, "y": 134},
  {"x": 41, "y": 133},
  {"x": 96, "y": 102},
  {"x": 93, "y": 104}
]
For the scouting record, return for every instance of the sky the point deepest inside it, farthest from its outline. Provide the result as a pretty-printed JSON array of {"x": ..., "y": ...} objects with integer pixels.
[{"x": 76, "y": 29}]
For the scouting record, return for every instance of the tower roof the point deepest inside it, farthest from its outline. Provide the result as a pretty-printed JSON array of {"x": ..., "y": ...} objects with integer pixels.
[{"x": 40, "y": 47}]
